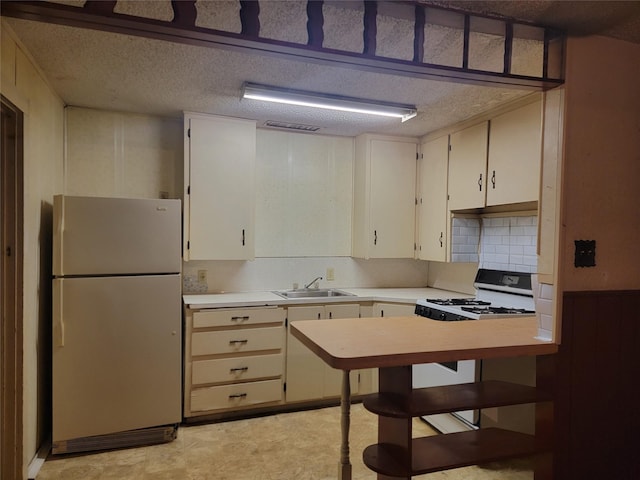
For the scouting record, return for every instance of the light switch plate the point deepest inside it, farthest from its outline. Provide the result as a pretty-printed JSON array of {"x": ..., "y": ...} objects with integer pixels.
[
  {"x": 202, "y": 276},
  {"x": 330, "y": 274}
]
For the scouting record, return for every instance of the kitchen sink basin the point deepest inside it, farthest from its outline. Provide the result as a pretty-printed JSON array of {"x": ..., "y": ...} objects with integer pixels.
[{"x": 313, "y": 293}]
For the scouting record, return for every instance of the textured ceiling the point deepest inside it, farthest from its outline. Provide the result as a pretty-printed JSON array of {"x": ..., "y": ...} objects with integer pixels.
[{"x": 125, "y": 73}]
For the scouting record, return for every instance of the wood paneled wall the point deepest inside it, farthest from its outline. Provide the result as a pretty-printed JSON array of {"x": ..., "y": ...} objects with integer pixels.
[{"x": 597, "y": 408}]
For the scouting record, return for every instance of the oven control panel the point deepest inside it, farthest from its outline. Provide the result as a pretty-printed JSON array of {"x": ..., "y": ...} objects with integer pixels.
[
  {"x": 437, "y": 314},
  {"x": 514, "y": 282}
]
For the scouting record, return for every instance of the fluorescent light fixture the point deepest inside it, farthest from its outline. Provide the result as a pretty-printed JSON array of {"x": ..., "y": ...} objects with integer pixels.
[{"x": 329, "y": 102}]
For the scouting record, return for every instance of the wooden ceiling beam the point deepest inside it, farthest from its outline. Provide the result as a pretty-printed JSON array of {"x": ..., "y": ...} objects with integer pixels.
[{"x": 182, "y": 29}]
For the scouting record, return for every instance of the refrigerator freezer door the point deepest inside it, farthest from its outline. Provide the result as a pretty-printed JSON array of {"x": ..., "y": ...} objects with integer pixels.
[
  {"x": 116, "y": 354},
  {"x": 116, "y": 236}
]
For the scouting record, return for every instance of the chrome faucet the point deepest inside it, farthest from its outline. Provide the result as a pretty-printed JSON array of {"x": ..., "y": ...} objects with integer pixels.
[{"x": 312, "y": 282}]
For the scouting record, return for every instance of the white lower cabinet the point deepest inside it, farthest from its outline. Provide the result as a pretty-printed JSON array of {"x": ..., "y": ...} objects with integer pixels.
[
  {"x": 381, "y": 309},
  {"x": 245, "y": 358},
  {"x": 384, "y": 309},
  {"x": 234, "y": 359},
  {"x": 308, "y": 377}
]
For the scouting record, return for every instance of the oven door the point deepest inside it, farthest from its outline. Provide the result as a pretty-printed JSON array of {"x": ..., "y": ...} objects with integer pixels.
[{"x": 450, "y": 373}]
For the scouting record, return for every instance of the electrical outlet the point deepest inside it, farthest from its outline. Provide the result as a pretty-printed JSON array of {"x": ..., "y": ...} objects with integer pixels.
[
  {"x": 202, "y": 276},
  {"x": 330, "y": 274}
]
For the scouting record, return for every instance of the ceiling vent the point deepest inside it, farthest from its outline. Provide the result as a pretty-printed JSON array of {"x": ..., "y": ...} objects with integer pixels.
[{"x": 291, "y": 126}]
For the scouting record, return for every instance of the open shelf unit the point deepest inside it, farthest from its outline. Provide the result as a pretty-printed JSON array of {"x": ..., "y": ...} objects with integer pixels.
[{"x": 398, "y": 455}]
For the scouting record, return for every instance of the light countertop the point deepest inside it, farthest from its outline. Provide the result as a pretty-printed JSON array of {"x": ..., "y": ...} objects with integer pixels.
[{"x": 267, "y": 298}]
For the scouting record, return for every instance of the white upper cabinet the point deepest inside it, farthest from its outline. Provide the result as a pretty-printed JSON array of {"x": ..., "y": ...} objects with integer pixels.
[
  {"x": 432, "y": 204},
  {"x": 497, "y": 162},
  {"x": 384, "y": 197},
  {"x": 468, "y": 167},
  {"x": 515, "y": 143},
  {"x": 219, "y": 201}
]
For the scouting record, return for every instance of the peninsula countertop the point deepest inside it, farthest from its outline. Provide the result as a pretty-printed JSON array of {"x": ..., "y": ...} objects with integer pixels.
[{"x": 355, "y": 343}]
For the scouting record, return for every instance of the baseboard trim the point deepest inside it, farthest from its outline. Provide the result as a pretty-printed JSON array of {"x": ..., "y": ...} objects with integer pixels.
[{"x": 38, "y": 460}]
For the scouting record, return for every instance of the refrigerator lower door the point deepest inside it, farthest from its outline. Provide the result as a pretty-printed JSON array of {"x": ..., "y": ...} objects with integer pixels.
[{"x": 116, "y": 354}]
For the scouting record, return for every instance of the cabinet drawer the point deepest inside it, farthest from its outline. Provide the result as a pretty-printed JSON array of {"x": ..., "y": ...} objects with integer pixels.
[
  {"x": 237, "y": 368},
  {"x": 236, "y": 395},
  {"x": 235, "y": 341},
  {"x": 230, "y": 317}
]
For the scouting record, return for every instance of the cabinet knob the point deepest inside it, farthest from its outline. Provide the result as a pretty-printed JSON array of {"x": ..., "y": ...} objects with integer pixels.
[
  {"x": 441, "y": 238},
  {"x": 493, "y": 179},
  {"x": 375, "y": 237},
  {"x": 480, "y": 182}
]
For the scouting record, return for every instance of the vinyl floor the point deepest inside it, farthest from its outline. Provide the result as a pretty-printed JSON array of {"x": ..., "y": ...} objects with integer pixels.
[{"x": 289, "y": 446}]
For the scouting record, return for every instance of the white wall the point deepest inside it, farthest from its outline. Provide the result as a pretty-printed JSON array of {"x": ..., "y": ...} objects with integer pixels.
[
  {"x": 122, "y": 154},
  {"x": 24, "y": 86},
  {"x": 304, "y": 194},
  {"x": 281, "y": 273}
]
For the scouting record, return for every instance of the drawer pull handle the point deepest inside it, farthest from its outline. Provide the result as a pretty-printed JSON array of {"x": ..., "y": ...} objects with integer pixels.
[
  {"x": 238, "y": 342},
  {"x": 239, "y": 369},
  {"x": 240, "y": 319},
  {"x": 238, "y": 395}
]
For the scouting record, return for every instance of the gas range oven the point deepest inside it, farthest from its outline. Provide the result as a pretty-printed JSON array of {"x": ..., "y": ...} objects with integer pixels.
[{"x": 499, "y": 293}]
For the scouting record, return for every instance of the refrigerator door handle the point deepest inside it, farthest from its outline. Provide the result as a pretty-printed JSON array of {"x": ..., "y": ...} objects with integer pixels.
[{"x": 58, "y": 319}]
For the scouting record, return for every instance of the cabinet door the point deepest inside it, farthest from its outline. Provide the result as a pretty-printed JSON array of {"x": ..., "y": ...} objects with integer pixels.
[
  {"x": 468, "y": 167},
  {"x": 393, "y": 310},
  {"x": 369, "y": 377},
  {"x": 219, "y": 188},
  {"x": 305, "y": 370},
  {"x": 515, "y": 143},
  {"x": 432, "y": 236},
  {"x": 332, "y": 380},
  {"x": 393, "y": 198}
]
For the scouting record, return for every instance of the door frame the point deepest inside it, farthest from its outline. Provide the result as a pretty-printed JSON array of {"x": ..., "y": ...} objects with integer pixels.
[{"x": 11, "y": 289}]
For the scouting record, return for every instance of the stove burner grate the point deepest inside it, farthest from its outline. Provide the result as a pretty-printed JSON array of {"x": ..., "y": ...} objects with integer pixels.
[
  {"x": 497, "y": 310},
  {"x": 457, "y": 301}
]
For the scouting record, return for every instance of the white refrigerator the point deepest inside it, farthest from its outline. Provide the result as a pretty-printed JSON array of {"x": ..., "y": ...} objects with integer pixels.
[{"x": 117, "y": 342}]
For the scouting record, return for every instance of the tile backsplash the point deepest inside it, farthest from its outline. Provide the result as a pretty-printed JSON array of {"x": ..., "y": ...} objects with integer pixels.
[
  {"x": 465, "y": 238},
  {"x": 509, "y": 243}
]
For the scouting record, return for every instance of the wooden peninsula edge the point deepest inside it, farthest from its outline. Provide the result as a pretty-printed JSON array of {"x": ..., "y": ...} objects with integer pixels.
[{"x": 394, "y": 345}]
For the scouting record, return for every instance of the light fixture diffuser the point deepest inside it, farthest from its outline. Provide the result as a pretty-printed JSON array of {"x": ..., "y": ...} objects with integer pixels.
[{"x": 325, "y": 101}]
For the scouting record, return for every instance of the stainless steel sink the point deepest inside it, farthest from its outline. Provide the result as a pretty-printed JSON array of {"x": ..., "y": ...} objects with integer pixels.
[{"x": 313, "y": 293}]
